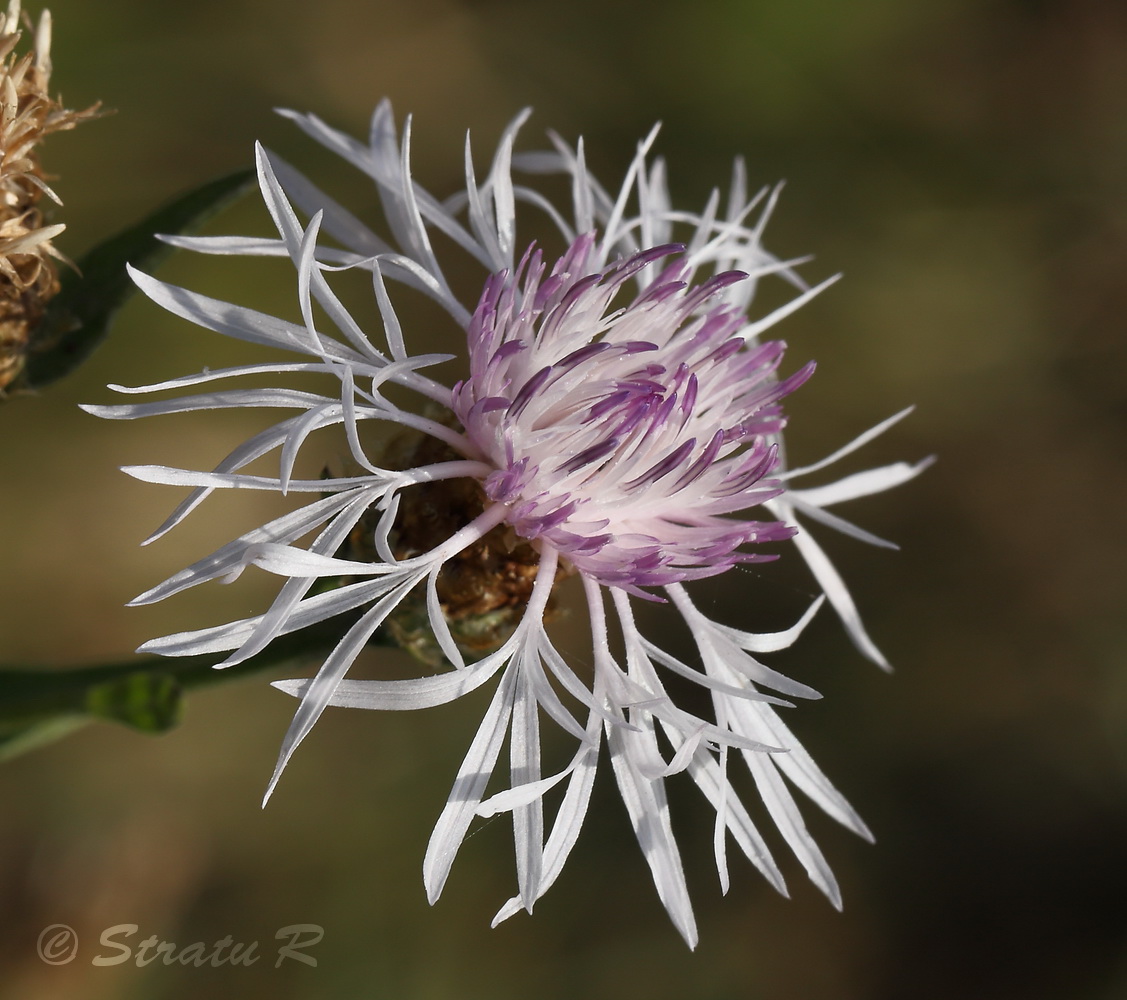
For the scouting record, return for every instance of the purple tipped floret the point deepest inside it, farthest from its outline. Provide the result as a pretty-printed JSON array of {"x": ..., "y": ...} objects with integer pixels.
[{"x": 634, "y": 472}]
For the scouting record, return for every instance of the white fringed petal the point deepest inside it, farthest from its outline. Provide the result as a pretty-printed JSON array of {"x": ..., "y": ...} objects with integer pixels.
[
  {"x": 469, "y": 788},
  {"x": 862, "y": 484},
  {"x": 858, "y": 442},
  {"x": 320, "y": 691},
  {"x": 648, "y": 809},
  {"x": 226, "y": 559}
]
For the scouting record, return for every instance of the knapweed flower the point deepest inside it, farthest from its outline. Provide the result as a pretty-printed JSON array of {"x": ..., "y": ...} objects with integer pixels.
[
  {"x": 618, "y": 419},
  {"x": 28, "y": 114}
]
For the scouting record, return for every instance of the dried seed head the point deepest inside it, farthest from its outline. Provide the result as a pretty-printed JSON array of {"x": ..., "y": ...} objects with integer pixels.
[{"x": 28, "y": 278}]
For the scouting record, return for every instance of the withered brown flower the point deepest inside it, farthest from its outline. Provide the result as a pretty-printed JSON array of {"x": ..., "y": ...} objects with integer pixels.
[{"x": 28, "y": 114}]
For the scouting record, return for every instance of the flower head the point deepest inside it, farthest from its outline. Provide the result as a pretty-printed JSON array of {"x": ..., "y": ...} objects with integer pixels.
[
  {"x": 619, "y": 420},
  {"x": 28, "y": 114}
]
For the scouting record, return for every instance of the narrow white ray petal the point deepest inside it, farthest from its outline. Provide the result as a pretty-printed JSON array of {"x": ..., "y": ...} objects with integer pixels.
[
  {"x": 684, "y": 754},
  {"x": 343, "y": 145},
  {"x": 397, "y": 265},
  {"x": 707, "y": 776},
  {"x": 249, "y": 246},
  {"x": 438, "y": 625},
  {"x": 302, "y": 246},
  {"x": 469, "y": 787},
  {"x": 302, "y": 427},
  {"x": 838, "y": 523},
  {"x": 239, "y": 322},
  {"x": 531, "y": 197},
  {"x": 643, "y": 680},
  {"x": 473, "y": 776},
  {"x": 832, "y": 584},
  {"x": 381, "y": 538},
  {"x": 227, "y": 400},
  {"x": 232, "y": 635},
  {"x": 351, "y": 414},
  {"x": 304, "y": 257},
  {"x": 858, "y": 442},
  {"x": 737, "y": 190},
  {"x": 519, "y": 795},
  {"x": 286, "y": 528},
  {"x": 501, "y": 179},
  {"x": 540, "y": 161},
  {"x": 402, "y": 695},
  {"x": 217, "y": 480},
  {"x": 720, "y": 828},
  {"x": 338, "y": 221},
  {"x": 410, "y": 272},
  {"x": 771, "y": 642},
  {"x": 213, "y": 374},
  {"x": 650, "y": 206},
  {"x": 565, "y": 829},
  {"x": 273, "y": 623},
  {"x": 862, "y": 484},
  {"x": 802, "y": 771},
  {"x": 414, "y": 233},
  {"x": 393, "y": 330},
  {"x": 570, "y": 815},
  {"x": 704, "y": 225},
  {"x": 383, "y": 162},
  {"x": 800, "y": 768},
  {"x": 524, "y": 761},
  {"x": 251, "y": 449},
  {"x": 636, "y": 169},
  {"x": 753, "y": 330},
  {"x": 288, "y": 560},
  {"x": 546, "y": 696},
  {"x": 712, "y": 684},
  {"x": 644, "y": 798},
  {"x": 649, "y": 814},
  {"x": 781, "y": 805},
  {"x": 768, "y": 211},
  {"x": 482, "y": 228},
  {"x": 577, "y": 689},
  {"x": 322, "y": 687},
  {"x": 729, "y": 645},
  {"x": 581, "y": 192}
]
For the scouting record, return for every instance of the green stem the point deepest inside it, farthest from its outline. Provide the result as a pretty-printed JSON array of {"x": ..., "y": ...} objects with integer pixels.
[{"x": 37, "y": 705}]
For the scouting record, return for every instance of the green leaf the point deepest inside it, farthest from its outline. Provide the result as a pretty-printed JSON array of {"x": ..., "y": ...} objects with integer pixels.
[
  {"x": 79, "y": 317},
  {"x": 146, "y": 700}
]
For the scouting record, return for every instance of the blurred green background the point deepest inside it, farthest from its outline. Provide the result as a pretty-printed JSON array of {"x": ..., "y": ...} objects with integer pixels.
[{"x": 965, "y": 164}]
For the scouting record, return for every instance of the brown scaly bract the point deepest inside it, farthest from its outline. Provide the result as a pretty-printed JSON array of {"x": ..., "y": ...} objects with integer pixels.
[{"x": 28, "y": 113}]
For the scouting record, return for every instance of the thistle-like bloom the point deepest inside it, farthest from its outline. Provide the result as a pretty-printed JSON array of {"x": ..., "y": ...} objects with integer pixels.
[
  {"x": 28, "y": 114},
  {"x": 619, "y": 420}
]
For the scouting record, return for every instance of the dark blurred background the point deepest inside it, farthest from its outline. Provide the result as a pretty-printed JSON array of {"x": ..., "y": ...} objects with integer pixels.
[{"x": 965, "y": 165}]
